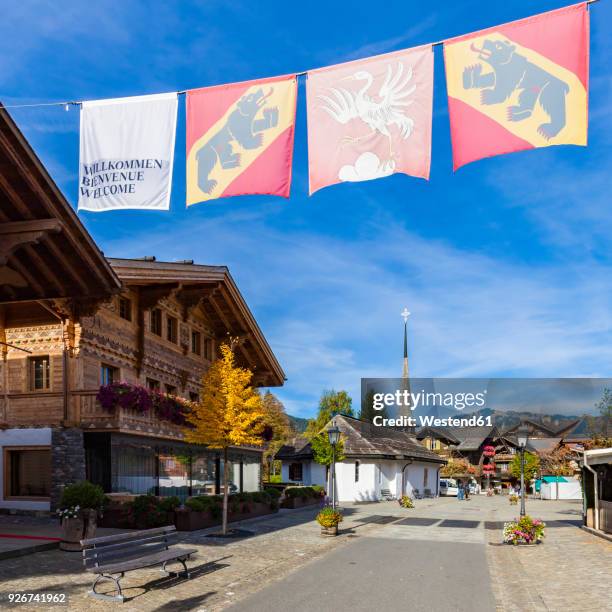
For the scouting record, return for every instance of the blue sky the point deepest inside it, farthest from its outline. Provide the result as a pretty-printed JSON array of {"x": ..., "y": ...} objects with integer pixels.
[{"x": 506, "y": 265}]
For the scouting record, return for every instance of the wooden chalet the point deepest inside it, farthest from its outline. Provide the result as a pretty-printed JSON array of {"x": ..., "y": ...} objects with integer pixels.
[{"x": 72, "y": 321}]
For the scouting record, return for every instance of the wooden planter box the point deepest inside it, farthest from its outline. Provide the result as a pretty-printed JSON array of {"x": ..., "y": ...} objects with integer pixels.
[
  {"x": 328, "y": 532},
  {"x": 76, "y": 529},
  {"x": 188, "y": 520},
  {"x": 118, "y": 517},
  {"x": 300, "y": 502}
]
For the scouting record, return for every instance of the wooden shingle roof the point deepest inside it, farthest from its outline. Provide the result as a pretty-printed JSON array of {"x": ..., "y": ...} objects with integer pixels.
[{"x": 362, "y": 439}]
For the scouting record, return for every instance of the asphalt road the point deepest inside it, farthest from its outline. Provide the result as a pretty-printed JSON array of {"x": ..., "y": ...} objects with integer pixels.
[{"x": 384, "y": 573}]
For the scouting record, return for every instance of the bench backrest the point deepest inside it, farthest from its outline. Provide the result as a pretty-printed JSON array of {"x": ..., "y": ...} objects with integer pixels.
[
  {"x": 127, "y": 546},
  {"x": 385, "y": 491}
]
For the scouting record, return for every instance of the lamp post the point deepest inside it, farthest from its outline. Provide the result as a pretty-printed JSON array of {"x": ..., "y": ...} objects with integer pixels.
[
  {"x": 523, "y": 436},
  {"x": 333, "y": 434}
]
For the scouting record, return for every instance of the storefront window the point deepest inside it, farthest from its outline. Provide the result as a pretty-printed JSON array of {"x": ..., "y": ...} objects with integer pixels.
[
  {"x": 233, "y": 478},
  {"x": 174, "y": 475},
  {"x": 27, "y": 472},
  {"x": 203, "y": 474},
  {"x": 176, "y": 469},
  {"x": 133, "y": 470}
]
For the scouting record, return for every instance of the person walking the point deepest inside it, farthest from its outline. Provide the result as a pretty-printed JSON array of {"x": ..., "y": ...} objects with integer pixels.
[{"x": 460, "y": 490}]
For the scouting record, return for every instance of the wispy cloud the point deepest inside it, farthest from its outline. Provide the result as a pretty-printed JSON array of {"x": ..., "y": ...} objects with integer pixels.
[{"x": 330, "y": 307}]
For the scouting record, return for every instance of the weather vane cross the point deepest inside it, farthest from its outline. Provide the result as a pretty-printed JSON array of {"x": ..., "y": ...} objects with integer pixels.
[{"x": 405, "y": 315}]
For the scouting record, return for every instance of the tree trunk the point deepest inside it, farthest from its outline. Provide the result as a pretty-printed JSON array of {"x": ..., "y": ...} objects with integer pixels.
[{"x": 225, "y": 490}]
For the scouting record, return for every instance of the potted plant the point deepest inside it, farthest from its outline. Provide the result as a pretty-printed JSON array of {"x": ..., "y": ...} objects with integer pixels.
[
  {"x": 78, "y": 512},
  {"x": 406, "y": 502},
  {"x": 525, "y": 531},
  {"x": 513, "y": 499},
  {"x": 329, "y": 519}
]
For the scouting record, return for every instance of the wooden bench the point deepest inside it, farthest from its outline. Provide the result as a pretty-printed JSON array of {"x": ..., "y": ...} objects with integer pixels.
[
  {"x": 386, "y": 494},
  {"x": 110, "y": 557}
]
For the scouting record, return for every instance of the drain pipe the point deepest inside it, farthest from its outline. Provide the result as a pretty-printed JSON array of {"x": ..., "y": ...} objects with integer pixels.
[{"x": 596, "y": 482}]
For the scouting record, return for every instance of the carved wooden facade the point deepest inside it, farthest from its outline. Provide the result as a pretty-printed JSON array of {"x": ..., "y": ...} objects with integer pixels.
[
  {"x": 121, "y": 338},
  {"x": 71, "y": 319}
]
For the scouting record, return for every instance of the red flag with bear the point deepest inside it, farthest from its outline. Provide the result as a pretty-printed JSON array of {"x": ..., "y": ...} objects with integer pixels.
[
  {"x": 520, "y": 85},
  {"x": 240, "y": 139}
]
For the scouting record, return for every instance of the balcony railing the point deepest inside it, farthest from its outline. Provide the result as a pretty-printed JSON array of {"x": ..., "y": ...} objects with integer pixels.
[{"x": 92, "y": 417}]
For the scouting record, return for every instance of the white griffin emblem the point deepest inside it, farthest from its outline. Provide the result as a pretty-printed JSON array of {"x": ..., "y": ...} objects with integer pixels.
[{"x": 380, "y": 114}]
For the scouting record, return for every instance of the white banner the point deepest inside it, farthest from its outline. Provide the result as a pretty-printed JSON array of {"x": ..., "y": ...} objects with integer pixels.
[{"x": 127, "y": 152}]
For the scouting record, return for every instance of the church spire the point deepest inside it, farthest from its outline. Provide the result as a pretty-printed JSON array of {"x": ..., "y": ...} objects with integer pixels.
[
  {"x": 405, "y": 374},
  {"x": 405, "y": 315}
]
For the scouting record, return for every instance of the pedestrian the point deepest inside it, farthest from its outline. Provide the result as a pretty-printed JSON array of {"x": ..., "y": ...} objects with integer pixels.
[{"x": 460, "y": 490}]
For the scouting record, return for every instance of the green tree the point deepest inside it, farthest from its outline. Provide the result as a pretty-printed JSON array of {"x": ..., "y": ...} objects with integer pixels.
[
  {"x": 532, "y": 466},
  {"x": 330, "y": 404}
]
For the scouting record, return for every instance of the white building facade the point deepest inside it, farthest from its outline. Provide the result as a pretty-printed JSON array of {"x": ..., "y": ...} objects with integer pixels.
[{"x": 378, "y": 462}]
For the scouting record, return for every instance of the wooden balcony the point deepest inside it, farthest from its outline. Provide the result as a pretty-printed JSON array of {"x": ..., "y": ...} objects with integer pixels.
[
  {"x": 92, "y": 417},
  {"x": 31, "y": 409}
]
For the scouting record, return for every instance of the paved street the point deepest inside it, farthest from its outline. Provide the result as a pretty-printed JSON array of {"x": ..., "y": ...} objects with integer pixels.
[
  {"x": 442, "y": 555},
  {"x": 447, "y": 555}
]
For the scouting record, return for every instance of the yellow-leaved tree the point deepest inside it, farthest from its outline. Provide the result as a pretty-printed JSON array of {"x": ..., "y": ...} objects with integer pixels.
[{"x": 229, "y": 412}]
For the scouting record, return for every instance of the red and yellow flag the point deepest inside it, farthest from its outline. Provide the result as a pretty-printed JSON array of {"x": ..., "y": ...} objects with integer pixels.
[
  {"x": 240, "y": 139},
  {"x": 520, "y": 85}
]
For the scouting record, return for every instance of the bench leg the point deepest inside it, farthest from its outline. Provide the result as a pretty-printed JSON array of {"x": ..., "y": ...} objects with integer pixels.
[
  {"x": 184, "y": 573},
  {"x": 104, "y": 596}
]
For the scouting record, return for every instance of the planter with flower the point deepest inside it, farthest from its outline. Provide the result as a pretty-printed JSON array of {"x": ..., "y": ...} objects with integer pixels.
[
  {"x": 525, "y": 531},
  {"x": 140, "y": 400},
  {"x": 329, "y": 519},
  {"x": 79, "y": 507},
  {"x": 406, "y": 502},
  {"x": 513, "y": 499}
]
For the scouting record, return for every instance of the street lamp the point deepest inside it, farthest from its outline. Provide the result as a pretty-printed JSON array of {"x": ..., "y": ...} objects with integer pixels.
[
  {"x": 333, "y": 434},
  {"x": 523, "y": 437}
]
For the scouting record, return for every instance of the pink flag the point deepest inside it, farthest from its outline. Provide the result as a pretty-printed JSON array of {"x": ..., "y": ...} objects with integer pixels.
[{"x": 370, "y": 118}]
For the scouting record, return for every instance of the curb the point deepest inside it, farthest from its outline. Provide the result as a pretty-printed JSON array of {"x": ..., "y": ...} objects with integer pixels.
[
  {"x": 28, "y": 550},
  {"x": 599, "y": 534}
]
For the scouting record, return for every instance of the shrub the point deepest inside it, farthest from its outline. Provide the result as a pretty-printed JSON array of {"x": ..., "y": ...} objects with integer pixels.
[
  {"x": 83, "y": 494},
  {"x": 305, "y": 492},
  {"x": 213, "y": 504},
  {"x": 513, "y": 499},
  {"x": 273, "y": 492},
  {"x": 146, "y": 511},
  {"x": 169, "y": 504},
  {"x": 328, "y": 517},
  {"x": 406, "y": 502},
  {"x": 261, "y": 497},
  {"x": 526, "y": 530},
  {"x": 238, "y": 502}
]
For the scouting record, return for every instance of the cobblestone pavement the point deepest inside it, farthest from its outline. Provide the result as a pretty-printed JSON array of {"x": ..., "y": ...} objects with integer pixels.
[
  {"x": 570, "y": 571},
  {"x": 222, "y": 571}
]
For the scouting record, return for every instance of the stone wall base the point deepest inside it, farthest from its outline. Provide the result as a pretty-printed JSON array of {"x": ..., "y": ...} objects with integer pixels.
[{"x": 67, "y": 461}]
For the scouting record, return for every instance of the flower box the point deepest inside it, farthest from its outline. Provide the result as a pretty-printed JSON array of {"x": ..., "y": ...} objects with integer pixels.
[
  {"x": 191, "y": 520},
  {"x": 300, "y": 502},
  {"x": 329, "y": 532},
  {"x": 525, "y": 531}
]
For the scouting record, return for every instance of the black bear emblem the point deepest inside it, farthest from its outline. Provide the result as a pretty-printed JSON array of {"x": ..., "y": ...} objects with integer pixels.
[
  {"x": 512, "y": 71},
  {"x": 241, "y": 127}
]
